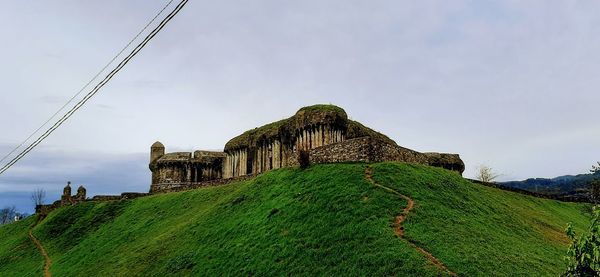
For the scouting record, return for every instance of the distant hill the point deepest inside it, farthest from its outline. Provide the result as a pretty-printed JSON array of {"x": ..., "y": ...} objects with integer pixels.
[
  {"x": 569, "y": 184},
  {"x": 326, "y": 220}
]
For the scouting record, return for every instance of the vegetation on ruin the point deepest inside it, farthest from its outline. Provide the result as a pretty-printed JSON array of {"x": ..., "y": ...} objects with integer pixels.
[
  {"x": 284, "y": 128},
  {"x": 250, "y": 137},
  {"x": 322, "y": 108},
  {"x": 324, "y": 220},
  {"x": 315, "y": 114},
  {"x": 584, "y": 253},
  {"x": 357, "y": 130}
]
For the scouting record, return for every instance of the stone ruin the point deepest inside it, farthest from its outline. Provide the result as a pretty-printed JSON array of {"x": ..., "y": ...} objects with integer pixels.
[
  {"x": 323, "y": 130},
  {"x": 65, "y": 199}
]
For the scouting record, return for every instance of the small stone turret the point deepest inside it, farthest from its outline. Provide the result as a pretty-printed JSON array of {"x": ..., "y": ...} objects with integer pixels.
[
  {"x": 157, "y": 150},
  {"x": 66, "y": 196},
  {"x": 67, "y": 189},
  {"x": 80, "y": 196}
]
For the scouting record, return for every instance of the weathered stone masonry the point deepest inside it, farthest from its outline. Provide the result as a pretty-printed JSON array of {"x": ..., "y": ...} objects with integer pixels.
[
  {"x": 67, "y": 199},
  {"x": 323, "y": 130}
]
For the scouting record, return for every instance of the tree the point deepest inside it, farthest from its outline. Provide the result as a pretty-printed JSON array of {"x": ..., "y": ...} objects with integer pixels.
[
  {"x": 7, "y": 214},
  {"x": 486, "y": 174},
  {"x": 38, "y": 196},
  {"x": 583, "y": 256},
  {"x": 595, "y": 168},
  {"x": 595, "y": 184}
]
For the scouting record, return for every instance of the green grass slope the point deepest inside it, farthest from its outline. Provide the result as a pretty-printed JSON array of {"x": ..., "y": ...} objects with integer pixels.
[
  {"x": 326, "y": 220},
  {"x": 18, "y": 255}
]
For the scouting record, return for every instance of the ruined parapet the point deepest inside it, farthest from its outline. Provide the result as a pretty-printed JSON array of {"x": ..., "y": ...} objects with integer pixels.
[{"x": 66, "y": 199}]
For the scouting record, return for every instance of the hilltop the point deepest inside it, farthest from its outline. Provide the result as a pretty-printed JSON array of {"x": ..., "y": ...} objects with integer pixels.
[{"x": 329, "y": 219}]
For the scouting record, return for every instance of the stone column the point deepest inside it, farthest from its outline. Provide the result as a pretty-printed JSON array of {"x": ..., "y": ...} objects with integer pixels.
[
  {"x": 243, "y": 163},
  {"x": 230, "y": 165},
  {"x": 319, "y": 137},
  {"x": 225, "y": 167},
  {"x": 306, "y": 139},
  {"x": 276, "y": 154},
  {"x": 233, "y": 164},
  {"x": 188, "y": 173},
  {"x": 257, "y": 160}
]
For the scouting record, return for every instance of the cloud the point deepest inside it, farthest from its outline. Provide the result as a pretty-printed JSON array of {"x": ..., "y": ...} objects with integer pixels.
[
  {"x": 50, "y": 170},
  {"x": 510, "y": 84}
]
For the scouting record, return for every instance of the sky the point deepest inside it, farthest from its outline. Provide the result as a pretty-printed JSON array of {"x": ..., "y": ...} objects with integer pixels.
[{"x": 508, "y": 84}]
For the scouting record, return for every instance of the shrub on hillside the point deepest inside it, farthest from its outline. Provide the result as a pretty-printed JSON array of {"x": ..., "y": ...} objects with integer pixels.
[
  {"x": 304, "y": 158},
  {"x": 583, "y": 256}
]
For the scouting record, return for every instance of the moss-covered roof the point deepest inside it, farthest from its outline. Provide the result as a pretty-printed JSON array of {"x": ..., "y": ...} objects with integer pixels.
[
  {"x": 320, "y": 114},
  {"x": 306, "y": 116},
  {"x": 250, "y": 137}
]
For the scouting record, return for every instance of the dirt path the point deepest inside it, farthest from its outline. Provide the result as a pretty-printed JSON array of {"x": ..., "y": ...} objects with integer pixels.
[
  {"x": 47, "y": 260},
  {"x": 399, "y": 230}
]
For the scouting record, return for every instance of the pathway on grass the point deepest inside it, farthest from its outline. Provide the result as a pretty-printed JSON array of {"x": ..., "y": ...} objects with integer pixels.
[
  {"x": 398, "y": 229},
  {"x": 47, "y": 261}
]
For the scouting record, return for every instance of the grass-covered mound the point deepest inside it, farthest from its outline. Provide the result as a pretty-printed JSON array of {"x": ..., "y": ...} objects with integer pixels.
[{"x": 326, "y": 220}]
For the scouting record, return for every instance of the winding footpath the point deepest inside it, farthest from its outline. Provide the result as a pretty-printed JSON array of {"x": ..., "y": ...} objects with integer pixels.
[
  {"x": 399, "y": 230},
  {"x": 38, "y": 244}
]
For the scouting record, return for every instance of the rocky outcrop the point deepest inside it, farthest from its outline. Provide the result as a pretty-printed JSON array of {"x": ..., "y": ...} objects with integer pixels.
[{"x": 323, "y": 130}]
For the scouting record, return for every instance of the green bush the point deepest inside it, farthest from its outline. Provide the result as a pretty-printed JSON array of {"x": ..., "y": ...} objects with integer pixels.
[{"x": 583, "y": 255}]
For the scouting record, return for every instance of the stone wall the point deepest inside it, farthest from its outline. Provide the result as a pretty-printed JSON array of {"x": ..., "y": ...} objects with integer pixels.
[
  {"x": 369, "y": 149},
  {"x": 68, "y": 200},
  {"x": 164, "y": 188}
]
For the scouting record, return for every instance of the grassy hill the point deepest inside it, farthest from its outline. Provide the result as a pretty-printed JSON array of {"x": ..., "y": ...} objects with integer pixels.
[{"x": 326, "y": 220}]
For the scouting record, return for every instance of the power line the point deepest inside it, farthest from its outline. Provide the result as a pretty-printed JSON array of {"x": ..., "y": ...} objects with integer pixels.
[
  {"x": 95, "y": 90},
  {"x": 88, "y": 83}
]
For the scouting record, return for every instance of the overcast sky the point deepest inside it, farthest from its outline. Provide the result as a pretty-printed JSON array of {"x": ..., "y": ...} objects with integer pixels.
[{"x": 510, "y": 84}]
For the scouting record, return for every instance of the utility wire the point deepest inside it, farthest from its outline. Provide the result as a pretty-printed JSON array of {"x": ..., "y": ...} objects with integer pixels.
[
  {"x": 97, "y": 88},
  {"x": 88, "y": 83}
]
